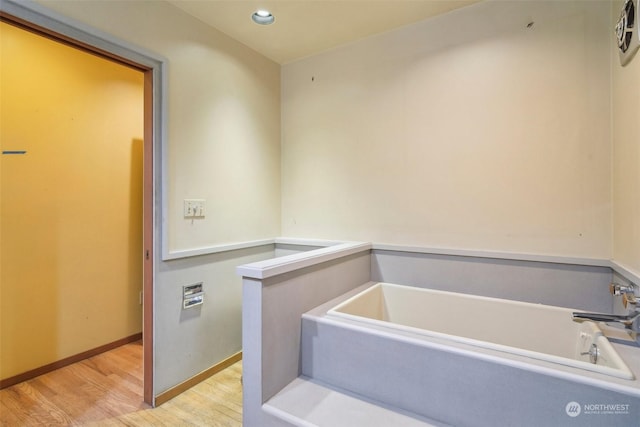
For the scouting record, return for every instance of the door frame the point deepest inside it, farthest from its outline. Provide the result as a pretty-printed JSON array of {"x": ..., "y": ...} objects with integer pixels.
[{"x": 36, "y": 19}]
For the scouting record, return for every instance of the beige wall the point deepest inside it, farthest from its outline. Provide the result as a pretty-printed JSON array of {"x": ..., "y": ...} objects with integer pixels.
[
  {"x": 71, "y": 217},
  {"x": 223, "y": 120},
  {"x": 468, "y": 130},
  {"x": 626, "y": 159}
]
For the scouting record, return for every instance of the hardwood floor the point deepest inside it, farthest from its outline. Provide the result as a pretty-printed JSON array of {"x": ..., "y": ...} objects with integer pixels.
[{"x": 106, "y": 390}]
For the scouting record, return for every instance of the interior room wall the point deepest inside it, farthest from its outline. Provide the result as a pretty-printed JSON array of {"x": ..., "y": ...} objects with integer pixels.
[
  {"x": 71, "y": 206},
  {"x": 223, "y": 145},
  {"x": 469, "y": 130},
  {"x": 626, "y": 157},
  {"x": 486, "y": 128}
]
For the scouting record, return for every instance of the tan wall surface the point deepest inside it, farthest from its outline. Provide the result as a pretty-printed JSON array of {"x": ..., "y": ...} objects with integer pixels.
[
  {"x": 626, "y": 158},
  {"x": 469, "y": 130},
  {"x": 71, "y": 207}
]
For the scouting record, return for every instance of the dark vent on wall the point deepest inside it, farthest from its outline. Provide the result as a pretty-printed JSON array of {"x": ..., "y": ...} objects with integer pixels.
[{"x": 627, "y": 31}]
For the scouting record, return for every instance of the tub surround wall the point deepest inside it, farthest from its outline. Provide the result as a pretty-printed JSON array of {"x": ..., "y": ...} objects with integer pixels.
[{"x": 583, "y": 287}]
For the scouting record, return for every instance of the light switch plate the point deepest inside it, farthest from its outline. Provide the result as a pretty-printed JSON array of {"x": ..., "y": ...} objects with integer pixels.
[{"x": 194, "y": 208}]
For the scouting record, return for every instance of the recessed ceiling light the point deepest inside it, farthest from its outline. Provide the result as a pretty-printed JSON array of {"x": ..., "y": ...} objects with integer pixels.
[{"x": 263, "y": 17}]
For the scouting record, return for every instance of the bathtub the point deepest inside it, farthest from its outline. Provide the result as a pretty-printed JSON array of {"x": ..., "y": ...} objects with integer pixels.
[{"x": 535, "y": 331}]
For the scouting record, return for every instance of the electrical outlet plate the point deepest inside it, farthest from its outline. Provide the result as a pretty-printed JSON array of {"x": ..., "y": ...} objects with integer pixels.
[
  {"x": 192, "y": 295},
  {"x": 193, "y": 301},
  {"x": 194, "y": 208}
]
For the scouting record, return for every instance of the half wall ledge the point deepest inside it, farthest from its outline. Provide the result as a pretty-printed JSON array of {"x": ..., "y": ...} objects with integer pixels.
[{"x": 277, "y": 266}]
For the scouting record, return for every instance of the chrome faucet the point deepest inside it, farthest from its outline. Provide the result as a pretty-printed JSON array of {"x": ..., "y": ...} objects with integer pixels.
[{"x": 630, "y": 321}]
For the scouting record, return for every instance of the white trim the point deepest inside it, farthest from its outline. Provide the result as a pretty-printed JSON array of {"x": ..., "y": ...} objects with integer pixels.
[
  {"x": 494, "y": 255},
  {"x": 625, "y": 271},
  {"x": 217, "y": 249},
  {"x": 214, "y": 249},
  {"x": 307, "y": 242},
  {"x": 276, "y": 266}
]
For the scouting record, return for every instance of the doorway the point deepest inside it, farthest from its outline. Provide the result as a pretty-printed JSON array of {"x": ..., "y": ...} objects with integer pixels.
[{"x": 70, "y": 286}]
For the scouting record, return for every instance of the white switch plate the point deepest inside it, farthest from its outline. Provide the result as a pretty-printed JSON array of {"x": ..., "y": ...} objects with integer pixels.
[{"x": 194, "y": 208}]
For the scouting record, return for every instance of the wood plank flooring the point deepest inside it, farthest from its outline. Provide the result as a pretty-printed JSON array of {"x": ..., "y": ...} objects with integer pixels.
[{"x": 106, "y": 390}]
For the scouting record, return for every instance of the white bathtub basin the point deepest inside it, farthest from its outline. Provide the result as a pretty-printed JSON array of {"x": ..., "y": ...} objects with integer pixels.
[{"x": 533, "y": 330}]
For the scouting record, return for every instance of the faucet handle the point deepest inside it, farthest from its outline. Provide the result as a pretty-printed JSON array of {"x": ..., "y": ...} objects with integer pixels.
[
  {"x": 618, "y": 289},
  {"x": 629, "y": 299}
]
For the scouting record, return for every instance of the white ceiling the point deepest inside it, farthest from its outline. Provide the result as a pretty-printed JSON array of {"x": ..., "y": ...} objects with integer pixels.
[{"x": 307, "y": 27}]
